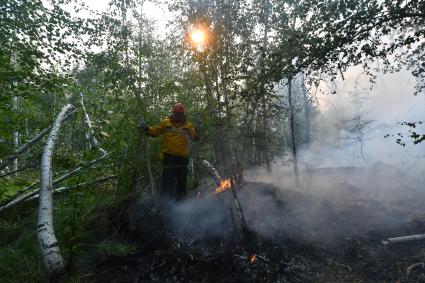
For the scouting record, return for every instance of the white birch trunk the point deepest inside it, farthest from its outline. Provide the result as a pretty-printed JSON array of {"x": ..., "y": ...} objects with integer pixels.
[
  {"x": 404, "y": 239},
  {"x": 213, "y": 171},
  {"x": 8, "y": 160},
  {"x": 49, "y": 246},
  {"x": 90, "y": 133}
]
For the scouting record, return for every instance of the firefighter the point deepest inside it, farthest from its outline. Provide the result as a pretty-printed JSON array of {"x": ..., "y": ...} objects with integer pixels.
[{"x": 177, "y": 133}]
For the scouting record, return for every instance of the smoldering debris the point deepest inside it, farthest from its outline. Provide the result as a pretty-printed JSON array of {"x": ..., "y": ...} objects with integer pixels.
[
  {"x": 327, "y": 216},
  {"x": 329, "y": 229},
  {"x": 300, "y": 237}
]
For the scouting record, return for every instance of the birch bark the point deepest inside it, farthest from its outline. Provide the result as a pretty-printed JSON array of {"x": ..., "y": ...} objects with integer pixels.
[
  {"x": 49, "y": 246},
  {"x": 90, "y": 132}
]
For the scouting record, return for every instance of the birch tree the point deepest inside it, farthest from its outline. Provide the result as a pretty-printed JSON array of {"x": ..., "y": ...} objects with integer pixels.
[{"x": 49, "y": 246}]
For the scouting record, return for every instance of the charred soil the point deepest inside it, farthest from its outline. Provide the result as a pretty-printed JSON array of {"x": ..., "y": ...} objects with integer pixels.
[{"x": 294, "y": 236}]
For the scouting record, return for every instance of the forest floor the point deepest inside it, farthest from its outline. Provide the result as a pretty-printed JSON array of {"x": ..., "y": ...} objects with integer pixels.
[{"x": 293, "y": 236}]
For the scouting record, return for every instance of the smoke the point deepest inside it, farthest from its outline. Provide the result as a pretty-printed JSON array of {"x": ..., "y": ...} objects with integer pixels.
[
  {"x": 358, "y": 107},
  {"x": 350, "y": 167},
  {"x": 344, "y": 193},
  {"x": 198, "y": 218}
]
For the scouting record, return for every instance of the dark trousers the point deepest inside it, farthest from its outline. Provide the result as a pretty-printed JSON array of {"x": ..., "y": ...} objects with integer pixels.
[{"x": 174, "y": 169}]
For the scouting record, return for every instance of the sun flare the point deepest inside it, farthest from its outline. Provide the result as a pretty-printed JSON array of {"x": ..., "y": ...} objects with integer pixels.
[{"x": 198, "y": 37}]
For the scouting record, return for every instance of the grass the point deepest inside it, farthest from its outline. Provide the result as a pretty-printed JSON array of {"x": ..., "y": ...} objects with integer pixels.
[{"x": 19, "y": 257}]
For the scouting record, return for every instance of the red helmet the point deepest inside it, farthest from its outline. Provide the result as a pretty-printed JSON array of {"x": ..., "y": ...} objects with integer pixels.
[{"x": 178, "y": 108}]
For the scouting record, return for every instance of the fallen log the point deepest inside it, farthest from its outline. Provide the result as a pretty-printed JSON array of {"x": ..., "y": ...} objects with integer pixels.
[
  {"x": 65, "y": 189},
  {"x": 22, "y": 149},
  {"x": 78, "y": 169},
  {"x": 33, "y": 185},
  {"x": 414, "y": 266},
  {"x": 404, "y": 239},
  {"x": 23, "y": 197},
  {"x": 49, "y": 246},
  {"x": 9, "y": 160}
]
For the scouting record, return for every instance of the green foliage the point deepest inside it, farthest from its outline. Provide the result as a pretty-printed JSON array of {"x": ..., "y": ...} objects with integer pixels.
[{"x": 230, "y": 84}]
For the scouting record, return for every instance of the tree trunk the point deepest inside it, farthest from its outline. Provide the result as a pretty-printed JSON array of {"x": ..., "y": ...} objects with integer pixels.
[
  {"x": 15, "y": 133},
  {"x": 90, "y": 133},
  {"x": 145, "y": 142},
  {"x": 307, "y": 115},
  {"x": 254, "y": 137},
  {"x": 263, "y": 91},
  {"x": 230, "y": 164},
  {"x": 292, "y": 127},
  {"x": 142, "y": 140},
  {"x": 221, "y": 148},
  {"x": 7, "y": 161},
  {"x": 49, "y": 246}
]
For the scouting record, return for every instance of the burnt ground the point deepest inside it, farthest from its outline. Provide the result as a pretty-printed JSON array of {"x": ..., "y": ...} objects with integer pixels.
[{"x": 293, "y": 237}]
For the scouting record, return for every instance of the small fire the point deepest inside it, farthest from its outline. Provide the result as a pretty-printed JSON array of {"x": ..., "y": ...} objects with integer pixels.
[
  {"x": 225, "y": 184},
  {"x": 252, "y": 258}
]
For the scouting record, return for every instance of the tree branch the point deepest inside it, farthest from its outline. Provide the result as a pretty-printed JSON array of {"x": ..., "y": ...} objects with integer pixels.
[{"x": 26, "y": 146}]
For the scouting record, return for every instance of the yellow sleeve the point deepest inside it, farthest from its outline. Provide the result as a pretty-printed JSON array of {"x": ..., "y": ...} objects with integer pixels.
[{"x": 156, "y": 130}]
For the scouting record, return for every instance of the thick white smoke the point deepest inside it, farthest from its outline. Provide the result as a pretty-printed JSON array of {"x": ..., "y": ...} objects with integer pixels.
[{"x": 383, "y": 105}]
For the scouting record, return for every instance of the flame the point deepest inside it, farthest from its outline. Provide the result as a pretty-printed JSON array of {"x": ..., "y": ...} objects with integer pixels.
[
  {"x": 252, "y": 258},
  {"x": 225, "y": 184}
]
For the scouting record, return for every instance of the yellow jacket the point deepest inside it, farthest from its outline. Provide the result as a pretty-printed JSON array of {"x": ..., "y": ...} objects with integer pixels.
[{"x": 176, "y": 136}]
